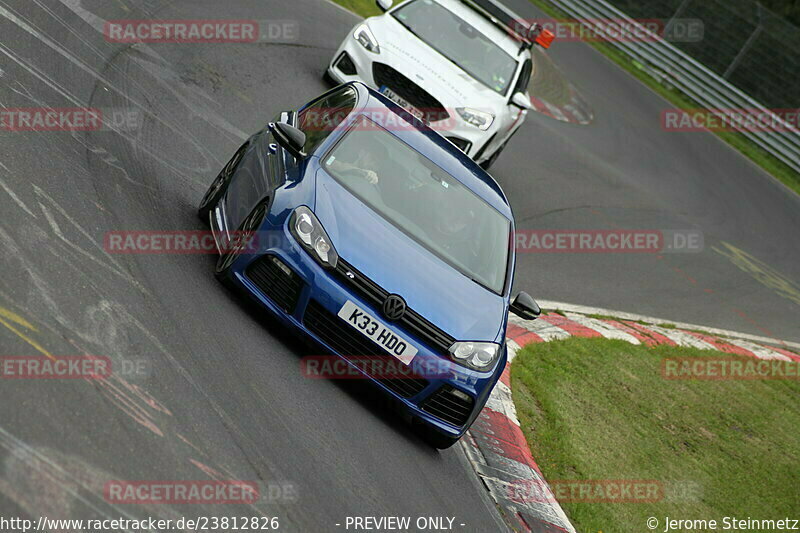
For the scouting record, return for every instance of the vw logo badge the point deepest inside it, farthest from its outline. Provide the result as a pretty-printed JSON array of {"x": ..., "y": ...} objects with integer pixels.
[{"x": 394, "y": 307}]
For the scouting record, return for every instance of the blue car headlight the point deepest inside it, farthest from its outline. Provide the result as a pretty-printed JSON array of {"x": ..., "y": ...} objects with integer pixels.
[
  {"x": 308, "y": 231},
  {"x": 476, "y": 355}
]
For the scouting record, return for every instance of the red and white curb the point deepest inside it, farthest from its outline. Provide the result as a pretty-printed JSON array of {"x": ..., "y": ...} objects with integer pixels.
[{"x": 496, "y": 446}]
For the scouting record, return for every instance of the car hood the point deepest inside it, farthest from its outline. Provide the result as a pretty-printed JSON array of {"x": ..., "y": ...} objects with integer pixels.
[
  {"x": 426, "y": 67},
  {"x": 441, "y": 294}
]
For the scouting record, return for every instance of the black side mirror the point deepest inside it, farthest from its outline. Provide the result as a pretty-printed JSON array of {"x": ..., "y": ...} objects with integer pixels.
[
  {"x": 291, "y": 138},
  {"x": 524, "y": 306}
]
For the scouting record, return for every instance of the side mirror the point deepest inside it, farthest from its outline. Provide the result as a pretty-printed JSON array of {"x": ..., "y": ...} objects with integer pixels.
[
  {"x": 291, "y": 138},
  {"x": 524, "y": 306},
  {"x": 520, "y": 100},
  {"x": 384, "y": 5}
]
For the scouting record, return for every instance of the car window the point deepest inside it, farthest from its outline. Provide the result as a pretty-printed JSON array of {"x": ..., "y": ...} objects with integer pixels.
[
  {"x": 419, "y": 198},
  {"x": 460, "y": 42},
  {"x": 318, "y": 119}
]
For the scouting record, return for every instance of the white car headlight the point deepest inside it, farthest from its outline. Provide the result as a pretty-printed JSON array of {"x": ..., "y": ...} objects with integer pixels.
[
  {"x": 308, "y": 231},
  {"x": 476, "y": 355},
  {"x": 479, "y": 119},
  {"x": 365, "y": 37}
]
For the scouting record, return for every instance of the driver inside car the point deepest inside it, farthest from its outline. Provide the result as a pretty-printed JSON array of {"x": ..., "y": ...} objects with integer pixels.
[{"x": 363, "y": 164}]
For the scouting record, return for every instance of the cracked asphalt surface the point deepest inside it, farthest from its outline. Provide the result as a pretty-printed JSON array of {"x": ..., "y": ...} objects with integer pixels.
[{"x": 222, "y": 395}]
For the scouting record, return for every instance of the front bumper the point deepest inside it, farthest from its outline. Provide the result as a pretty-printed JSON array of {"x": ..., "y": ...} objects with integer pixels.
[
  {"x": 315, "y": 297},
  {"x": 352, "y": 62}
]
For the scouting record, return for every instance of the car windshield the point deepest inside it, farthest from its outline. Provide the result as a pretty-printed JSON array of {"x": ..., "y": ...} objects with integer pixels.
[
  {"x": 426, "y": 203},
  {"x": 460, "y": 42}
]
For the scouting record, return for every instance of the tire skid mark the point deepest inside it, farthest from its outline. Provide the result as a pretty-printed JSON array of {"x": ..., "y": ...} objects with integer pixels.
[
  {"x": 12, "y": 194},
  {"x": 145, "y": 110},
  {"x": 137, "y": 404},
  {"x": 23, "y": 459},
  {"x": 74, "y": 100},
  {"x": 219, "y": 476},
  {"x": 24, "y": 25},
  {"x": 129, "y": 401},
  {"x": 110, "y": 263},
  {"x": 98, "y": 24},
  {"x": 191, "y": 444},
  {"x": 107, "y": 158},
  {"x": 55, "y": 86},
  {"x": 45, "y": 482}
]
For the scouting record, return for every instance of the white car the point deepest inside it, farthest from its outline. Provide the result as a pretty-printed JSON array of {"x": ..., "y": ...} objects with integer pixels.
[{"x": 462, "y": 65}]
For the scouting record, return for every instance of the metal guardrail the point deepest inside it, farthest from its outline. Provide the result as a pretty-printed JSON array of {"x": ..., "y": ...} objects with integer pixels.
[{"x": 675, "y": 67}]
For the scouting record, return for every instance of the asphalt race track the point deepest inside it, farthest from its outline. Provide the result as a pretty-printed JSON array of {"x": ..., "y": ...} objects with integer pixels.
[
  {"x": 624, "y": 172},
  {"x": 221, "y": 395}
]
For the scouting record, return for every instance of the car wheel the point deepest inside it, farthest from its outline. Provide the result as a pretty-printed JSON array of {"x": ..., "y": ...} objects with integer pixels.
[
  {"x": 241, "y": 241},
  {"x": 327, "y": 78},
  {"x": 486, "y": 165},
  {"x": 217, "y": 188}
]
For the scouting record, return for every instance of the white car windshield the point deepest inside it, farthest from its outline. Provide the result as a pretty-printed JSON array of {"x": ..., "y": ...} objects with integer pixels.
[
  {"x": 460, "y": 42},
  {"x": 423, "y": 201}
]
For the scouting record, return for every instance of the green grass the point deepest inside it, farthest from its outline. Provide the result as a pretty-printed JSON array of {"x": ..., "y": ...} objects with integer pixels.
[
  {"x": 365, "y": 8},
  {"x": 759, "y": 156},
  {"x": 596, "y": 409}
]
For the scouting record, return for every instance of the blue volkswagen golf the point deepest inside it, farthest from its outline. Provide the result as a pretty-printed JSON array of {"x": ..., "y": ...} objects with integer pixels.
[{"x": 375, "y": 237}]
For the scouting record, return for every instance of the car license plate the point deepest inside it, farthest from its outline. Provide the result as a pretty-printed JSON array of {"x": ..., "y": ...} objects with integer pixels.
[
  {"x": 399, "y": 100},
  {"x": 380, "y": 334}
]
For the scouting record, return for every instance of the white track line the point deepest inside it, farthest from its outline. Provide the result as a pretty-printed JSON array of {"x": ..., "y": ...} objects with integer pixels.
[
  {"x": 586, "y": 310},
  {"x": 606, "y": 330},
  {"x": 545, "y": 330}
]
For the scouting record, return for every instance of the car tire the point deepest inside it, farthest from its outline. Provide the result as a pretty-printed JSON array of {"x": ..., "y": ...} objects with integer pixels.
[
  {"x": 217, "y": 189},
  {"x": 249, "y": 225},
  {"x": 486, "y": 165},
  {"x": 327, "y": 78}
]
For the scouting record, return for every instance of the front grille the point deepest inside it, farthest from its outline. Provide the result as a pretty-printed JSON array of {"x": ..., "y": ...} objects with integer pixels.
[
  {"x": 461, "y": 144},
  {"x": 348, "y": 342},
  {"x": 282, "y": 287},
  {"x": 412, "y": 322},
  {"x": 431, "y": 108},
  {"x": 451, "y": 405}
]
